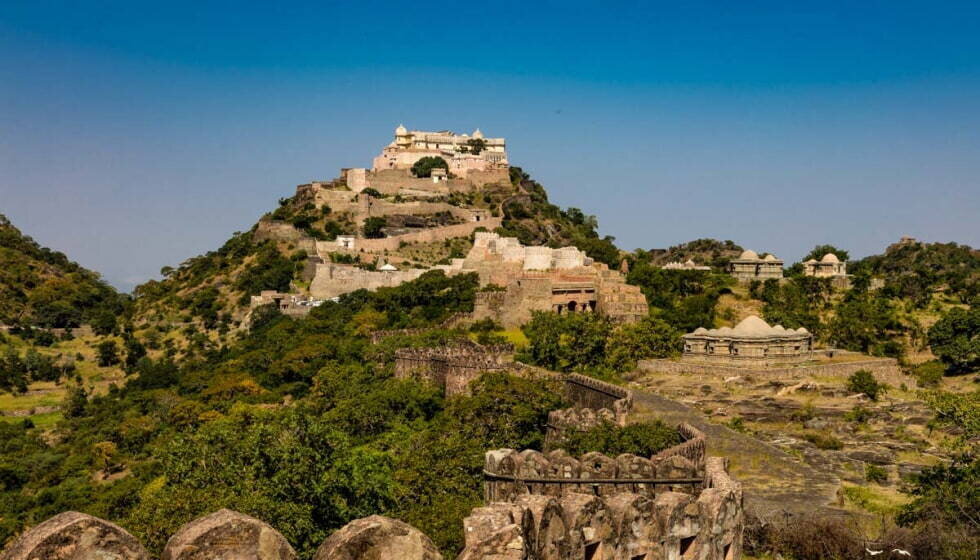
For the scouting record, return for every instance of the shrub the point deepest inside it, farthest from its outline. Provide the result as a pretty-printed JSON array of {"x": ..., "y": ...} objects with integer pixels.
[
  {"x": 864, "y": 382},
  {"x": 875, "y": 474},
  {"x": 858, "y": 414},
  {"x": 929, "y": 374},
  {"x": 824, "y": 441}
]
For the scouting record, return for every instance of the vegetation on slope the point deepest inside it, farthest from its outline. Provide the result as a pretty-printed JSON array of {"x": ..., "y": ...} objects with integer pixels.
[{"x": 40, "y": 287}]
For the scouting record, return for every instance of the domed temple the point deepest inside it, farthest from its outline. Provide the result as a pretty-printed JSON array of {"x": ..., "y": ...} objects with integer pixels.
[
  {"x": 750, "y": 266},
  {"x": 750, "y": 343}
]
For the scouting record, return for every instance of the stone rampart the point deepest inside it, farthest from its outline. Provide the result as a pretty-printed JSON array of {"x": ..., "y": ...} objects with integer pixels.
[
  {"x": 453, "y": 367},
  {"x": 558, "y": 507},
  {"x": 425, "y": 236},
  {"x": 593, "y": 402},
  {"x": 884, "y": 369},
  {"x": 588, "y": 392}
]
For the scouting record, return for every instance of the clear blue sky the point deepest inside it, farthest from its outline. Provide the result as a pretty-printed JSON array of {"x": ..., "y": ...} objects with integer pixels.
[{"x": 135, "y": 136}]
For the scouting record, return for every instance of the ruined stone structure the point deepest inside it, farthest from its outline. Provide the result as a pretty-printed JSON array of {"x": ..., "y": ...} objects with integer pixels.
[
  {"x": 452, "y": 367},
  {"x": 686, "y": 265},
  {"x": 675, "y": 505},
  {"x": 751, "y": 343},
  {"x": 562, "y": 280},
  {"x": 750, "y": 266},
  {"x": 458, "y": 150},
  {"x": 333, "y": 280},
  {"x": 292, "y": 305}
]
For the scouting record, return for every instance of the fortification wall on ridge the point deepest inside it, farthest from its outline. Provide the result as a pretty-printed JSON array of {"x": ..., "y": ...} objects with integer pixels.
[
  {"x": 453, "y": 368},
  {"x": 884, "y": 369}
]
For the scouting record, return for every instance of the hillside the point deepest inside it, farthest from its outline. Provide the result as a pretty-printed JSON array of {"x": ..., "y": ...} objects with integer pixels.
[
  {"x": 205, "y": 299},
  {"x": 41, "y": 287}
]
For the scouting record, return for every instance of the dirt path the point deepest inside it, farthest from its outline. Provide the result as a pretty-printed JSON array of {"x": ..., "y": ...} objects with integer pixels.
[{"x": 774, "y": 481}]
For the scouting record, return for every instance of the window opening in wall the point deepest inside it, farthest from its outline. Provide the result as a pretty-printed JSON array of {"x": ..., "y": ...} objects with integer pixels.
[
  {"x": 592, "y": 551},
  {"x": 639, "y": 557}
]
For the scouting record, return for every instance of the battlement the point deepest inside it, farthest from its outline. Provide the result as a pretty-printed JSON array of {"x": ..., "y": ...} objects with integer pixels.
[
  {"x": 558, "y": 507},
  {"x": 452, "y": 367}
]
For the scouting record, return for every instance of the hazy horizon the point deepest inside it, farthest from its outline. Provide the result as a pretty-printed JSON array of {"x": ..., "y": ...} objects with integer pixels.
[{"x": 135, "y": 137}]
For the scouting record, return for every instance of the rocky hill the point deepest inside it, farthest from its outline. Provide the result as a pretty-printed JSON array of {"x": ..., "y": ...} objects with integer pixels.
[
  {"x": 42, "y": 287},
  {"x": 206, "y": 298}
]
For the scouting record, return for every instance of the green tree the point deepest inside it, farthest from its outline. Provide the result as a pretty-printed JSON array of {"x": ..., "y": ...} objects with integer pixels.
[
  {"x": 567, "y": 342},
  {"x": 373, "y": 227},
  {"x": 424, "y": 166},
  {"x": 649, "y": 338},
  {"x": 476, "y": 145},
  {"x": 819, "y": 251},
  {"x": 955, "y": 339},
  {"x": 108, "y": 353},
  {"x": 864, "y": 382}
]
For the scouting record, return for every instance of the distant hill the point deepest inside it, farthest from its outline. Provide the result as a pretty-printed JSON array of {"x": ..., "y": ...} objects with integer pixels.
[
  {"x": 706, "y": 251},
  {"x": 916, "y": 270},
  {"x": 41, "y": 287}
]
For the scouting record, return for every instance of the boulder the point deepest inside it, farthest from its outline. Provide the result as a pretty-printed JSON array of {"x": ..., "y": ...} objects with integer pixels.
[
  {"x": 227, "y": 535},
  {"x": 76, "y": 536},
  {"x": 377, "y": 538}
]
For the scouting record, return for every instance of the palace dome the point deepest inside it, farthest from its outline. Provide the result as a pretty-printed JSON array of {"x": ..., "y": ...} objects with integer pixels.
[
  {"x": 477, "y": 133},
  {"x": 401, "y": 130},
  {"x": 749, "y": 255},
  {"x": 830, "y": 258},
  {"x": 770, "y": 258}
]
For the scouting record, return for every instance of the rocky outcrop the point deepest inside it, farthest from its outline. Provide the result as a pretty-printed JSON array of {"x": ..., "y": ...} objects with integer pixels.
[{"x": 377, "y": 538}]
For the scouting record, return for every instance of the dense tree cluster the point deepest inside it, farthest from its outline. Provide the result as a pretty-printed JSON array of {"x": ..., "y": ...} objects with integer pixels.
[
  {"x": 590, "y": 343},
  {"x": 301, "y": 424},
  {"x": 685, "y": 299}
]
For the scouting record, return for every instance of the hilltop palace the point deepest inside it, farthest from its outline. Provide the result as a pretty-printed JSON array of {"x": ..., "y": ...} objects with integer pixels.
[
  {"x": 515, "y": 279},
  {"x": 463, "y": 153}
]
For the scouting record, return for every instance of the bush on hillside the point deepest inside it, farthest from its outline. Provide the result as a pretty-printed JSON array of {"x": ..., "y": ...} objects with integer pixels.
[
  {"x": 955, "y": 339},
  {"x": 864, "y": 382}
]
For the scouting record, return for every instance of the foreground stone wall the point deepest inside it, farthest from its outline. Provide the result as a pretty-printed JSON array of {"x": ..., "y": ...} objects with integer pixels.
[{"x": 526, "y": 519}]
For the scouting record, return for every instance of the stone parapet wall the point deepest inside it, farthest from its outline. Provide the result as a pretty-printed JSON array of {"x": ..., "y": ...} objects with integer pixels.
[
  {"x": 693, "y": 448},
  {"x": 425, "y": 236},
  {"x": 646, "y": 514},
  {"x": 453, "y": 368},
  {"x": 884, "y": 369},
  {"x": 588, "y": 392}
]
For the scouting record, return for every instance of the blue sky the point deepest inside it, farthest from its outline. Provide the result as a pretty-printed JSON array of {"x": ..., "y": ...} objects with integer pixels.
[{"x": 134, "y": 136}]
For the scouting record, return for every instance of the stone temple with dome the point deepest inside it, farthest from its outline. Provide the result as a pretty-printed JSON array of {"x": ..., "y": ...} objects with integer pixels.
[
  {"x": 827, "y": 267},
  {"x": 750, "y": 266},
  {"x": 751, "y": 343}
]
